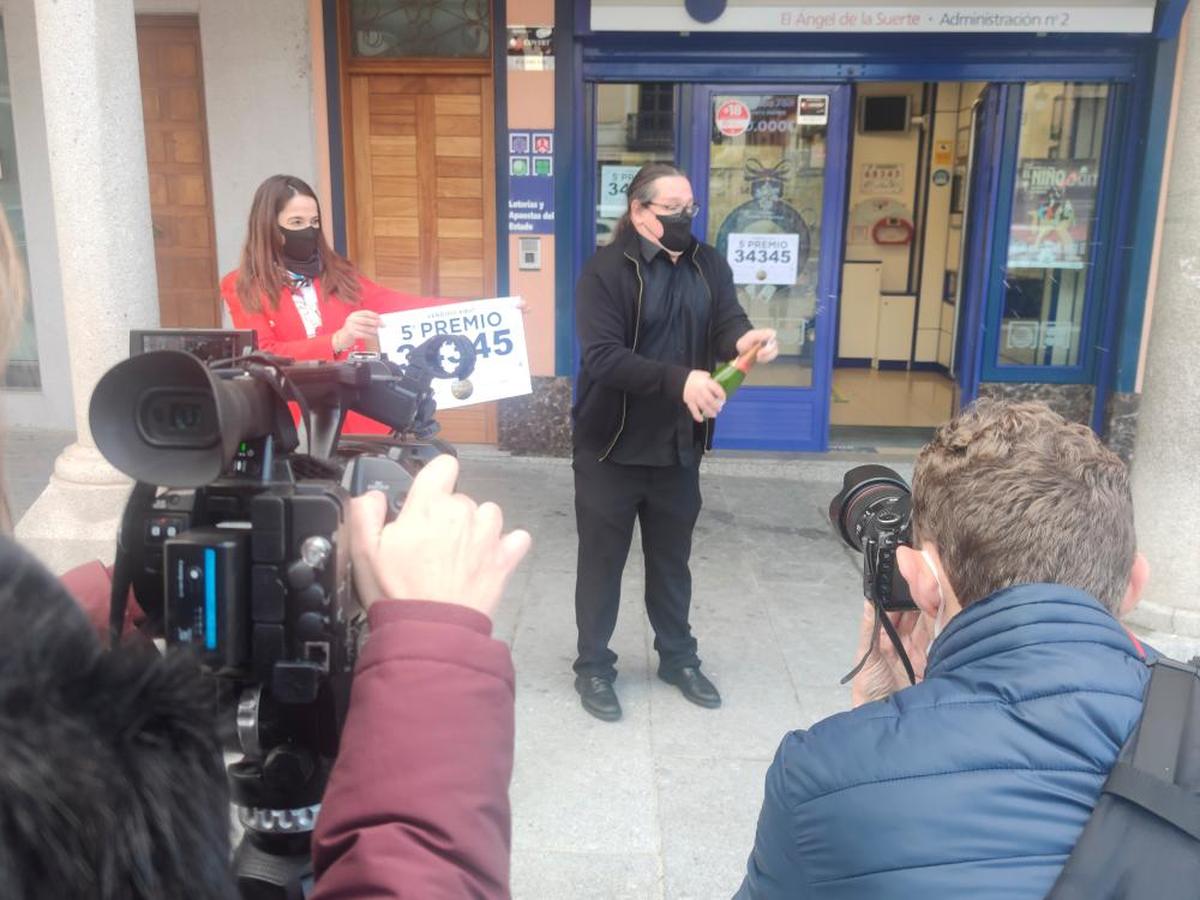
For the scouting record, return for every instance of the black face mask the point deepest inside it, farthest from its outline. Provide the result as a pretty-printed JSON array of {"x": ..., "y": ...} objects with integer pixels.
[
  {"x": 299, "y": 245},
  {"x": 677, "y": 232}
]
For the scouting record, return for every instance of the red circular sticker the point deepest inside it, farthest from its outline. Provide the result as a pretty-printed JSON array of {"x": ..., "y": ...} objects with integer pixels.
[{"x": 733, "y": 118}]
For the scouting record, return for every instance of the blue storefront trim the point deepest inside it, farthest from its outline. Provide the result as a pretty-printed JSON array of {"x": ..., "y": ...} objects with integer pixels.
[
  {"x": 1099, "y": 292},
  {"x": 1140, "y": 69}
]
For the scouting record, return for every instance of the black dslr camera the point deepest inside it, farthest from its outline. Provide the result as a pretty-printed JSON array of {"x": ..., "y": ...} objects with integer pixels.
[
  {"x": 243, "y": 558},
  {"x": 873, "y": 515}
]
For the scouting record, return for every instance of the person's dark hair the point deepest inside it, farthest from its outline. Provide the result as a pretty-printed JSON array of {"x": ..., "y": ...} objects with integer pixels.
[
  {"x": 642, "y": 189},
  {"x": 262, "y": 272},
  {"x": 112, "y": 783}
]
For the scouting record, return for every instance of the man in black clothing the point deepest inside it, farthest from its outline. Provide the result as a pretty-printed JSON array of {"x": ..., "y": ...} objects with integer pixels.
[{"x": 656, "y": 311}]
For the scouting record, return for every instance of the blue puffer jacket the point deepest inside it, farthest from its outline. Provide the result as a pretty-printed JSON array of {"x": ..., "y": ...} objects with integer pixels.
[{"x": 975, "y": 783}]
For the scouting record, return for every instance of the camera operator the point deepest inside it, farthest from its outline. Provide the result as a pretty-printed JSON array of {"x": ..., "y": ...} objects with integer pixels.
[
  {"x": 978, "y": 780},
  {"x": 113, "y": 784}
]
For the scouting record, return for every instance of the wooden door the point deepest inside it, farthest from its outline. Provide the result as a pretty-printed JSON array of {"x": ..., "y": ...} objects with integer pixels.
[
  {"x": 177, "y": 157},
  {"x": 420, "y": 161}
]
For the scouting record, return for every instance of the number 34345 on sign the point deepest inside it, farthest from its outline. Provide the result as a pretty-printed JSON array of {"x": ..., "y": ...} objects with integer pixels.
[{"x": 495, "y": 327}]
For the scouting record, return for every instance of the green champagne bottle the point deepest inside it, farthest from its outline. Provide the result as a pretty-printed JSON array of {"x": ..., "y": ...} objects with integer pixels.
[{"x": 731, "y": 374}]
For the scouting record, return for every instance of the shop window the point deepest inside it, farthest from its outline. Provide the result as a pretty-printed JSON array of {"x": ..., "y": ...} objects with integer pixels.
[
  {"x": 453, "y": 29},
  {"x": 1051, "y": 246},
  {"x": 22, "y": 370},
  {"x": 635, "y": 125}
]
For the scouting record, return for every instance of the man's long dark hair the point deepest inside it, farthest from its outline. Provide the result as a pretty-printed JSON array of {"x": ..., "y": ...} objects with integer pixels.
[
  {"x": 111, "y": 776},
  {"x": 642, "y": 190}
]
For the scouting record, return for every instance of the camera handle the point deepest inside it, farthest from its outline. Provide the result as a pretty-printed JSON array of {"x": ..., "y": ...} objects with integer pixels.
[{"x": 276, "y": 789}]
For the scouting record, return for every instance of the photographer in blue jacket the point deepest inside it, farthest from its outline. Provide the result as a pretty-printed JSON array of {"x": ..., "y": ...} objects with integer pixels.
[{"x": 978, "y": 780}]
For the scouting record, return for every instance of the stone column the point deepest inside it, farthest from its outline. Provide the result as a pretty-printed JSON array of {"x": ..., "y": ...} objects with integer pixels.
[
  {"x": 1166, "y": 490},
  {"x": 97, "y": 154}
]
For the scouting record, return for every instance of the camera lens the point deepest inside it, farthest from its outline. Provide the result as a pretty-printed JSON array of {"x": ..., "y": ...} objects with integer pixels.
[{"x": 868, "y": 493}]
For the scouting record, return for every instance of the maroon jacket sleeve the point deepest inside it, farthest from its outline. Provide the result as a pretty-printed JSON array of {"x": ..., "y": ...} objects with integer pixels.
[
  {"x": 91, "y": 586},
  {"x": 417, "y": 804}
]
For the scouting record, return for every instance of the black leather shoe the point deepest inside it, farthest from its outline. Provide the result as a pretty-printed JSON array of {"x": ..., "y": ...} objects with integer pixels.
[
  {"x": 598, "y": 697},
  {"x": 694, "y": 686}
]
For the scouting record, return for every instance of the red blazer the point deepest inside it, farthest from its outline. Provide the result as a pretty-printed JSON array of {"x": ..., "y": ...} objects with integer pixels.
[{"x": 281, "y": 330}]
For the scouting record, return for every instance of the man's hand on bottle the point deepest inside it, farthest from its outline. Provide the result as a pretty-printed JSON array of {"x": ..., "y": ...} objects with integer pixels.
[
  {"x": 703, "y": 396},
  {"x": 767, "y": 340},
  {"x": 442, "y": 547},
  {"x": 361, "y": 325}
]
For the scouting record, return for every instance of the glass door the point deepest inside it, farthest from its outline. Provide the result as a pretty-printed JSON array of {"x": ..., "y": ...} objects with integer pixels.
[{"x": 769, "y": 173}]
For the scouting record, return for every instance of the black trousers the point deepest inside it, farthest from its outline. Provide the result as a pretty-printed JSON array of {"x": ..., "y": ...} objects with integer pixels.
[{"x": 609, "y": 497}]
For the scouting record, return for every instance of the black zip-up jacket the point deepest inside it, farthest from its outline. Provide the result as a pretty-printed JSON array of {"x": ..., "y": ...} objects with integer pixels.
[{"x": 608, "y": 313}]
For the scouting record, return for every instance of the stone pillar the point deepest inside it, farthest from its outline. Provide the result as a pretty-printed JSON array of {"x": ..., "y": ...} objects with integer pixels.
[
  {"x": 98, "y": 175},
  {"x": 1166, "y": 491}
]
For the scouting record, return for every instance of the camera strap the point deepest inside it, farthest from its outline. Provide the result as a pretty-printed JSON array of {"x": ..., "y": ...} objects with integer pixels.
[{"x": 882, "y": 620}]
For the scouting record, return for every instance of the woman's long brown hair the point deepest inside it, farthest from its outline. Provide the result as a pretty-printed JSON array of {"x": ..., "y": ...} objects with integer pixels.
[{"x": 262, "y": 273}]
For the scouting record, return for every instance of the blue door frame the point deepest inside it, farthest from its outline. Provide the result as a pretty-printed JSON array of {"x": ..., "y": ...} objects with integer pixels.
[
  {"x": 786, "y": 418},
  {"x": 1140, "y": 67}
]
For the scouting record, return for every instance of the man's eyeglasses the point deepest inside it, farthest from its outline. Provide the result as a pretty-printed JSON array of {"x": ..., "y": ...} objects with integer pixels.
[{"x": 690, "y": 211}]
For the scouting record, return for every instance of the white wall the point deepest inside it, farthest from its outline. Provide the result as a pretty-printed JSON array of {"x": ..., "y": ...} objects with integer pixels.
[
  {"x": 258, "y": 96},
  {"x": 259, "y": 100}
]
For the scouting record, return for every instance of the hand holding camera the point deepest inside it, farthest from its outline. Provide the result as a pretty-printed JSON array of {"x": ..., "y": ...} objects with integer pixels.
[
  {"x": 442, "y": 547},
  {"x": 883, "y": 674}
]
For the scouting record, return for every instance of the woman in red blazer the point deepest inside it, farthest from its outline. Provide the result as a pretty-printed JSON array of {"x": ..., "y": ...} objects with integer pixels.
[{"x": 302, "y": 299}]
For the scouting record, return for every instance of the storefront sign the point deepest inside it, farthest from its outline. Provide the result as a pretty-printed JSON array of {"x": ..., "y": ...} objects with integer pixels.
[
  {"x": 763, "y": 258},
  {"x": 530, "y": 182},
  {"x": 530, "y": 49},
  {"x": 733, "y": 118},
  {"x": 881, "y": 178},
  {"x": 614, "y": 182},
  {"x": 1013, "y": 16},
  {"x": 1052, "y": 213},
  {"x": 812, "y": 109},
  {"x": 495, "y": 327}
]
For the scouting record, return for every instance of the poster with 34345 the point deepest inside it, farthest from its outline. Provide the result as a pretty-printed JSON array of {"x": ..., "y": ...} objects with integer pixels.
[{"x": 496, "y": 330}]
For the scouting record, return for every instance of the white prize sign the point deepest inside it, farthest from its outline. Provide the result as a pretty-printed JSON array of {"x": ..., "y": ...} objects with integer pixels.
[
  {"x": 614, "y": 181},
  {"x": 495, "y": 327},
  {"x": 763, "y": 258}
]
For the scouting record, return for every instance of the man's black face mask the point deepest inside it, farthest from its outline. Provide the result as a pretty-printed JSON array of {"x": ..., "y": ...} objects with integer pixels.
[{"x": 677, "y": 231}]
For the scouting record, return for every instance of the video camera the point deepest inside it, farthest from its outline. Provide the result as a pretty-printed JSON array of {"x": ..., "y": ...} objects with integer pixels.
[
  {"x": 243, "y": 556},
  {"x": 873, "y": 514}
]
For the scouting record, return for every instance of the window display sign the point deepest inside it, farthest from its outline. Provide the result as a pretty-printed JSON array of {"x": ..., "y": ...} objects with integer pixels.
[
  {"x": 763, "y": 258},
  {"x": 881, "y": 178},
  {"x": 495, "y": 327},
  {"x": 1052, "y": 213},
  {"x": 1011, "y": 16},
  {"x": 614, "y": 182},
  {"x": 812, "y": 109},
  {"x": 733, "y": 118}
]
